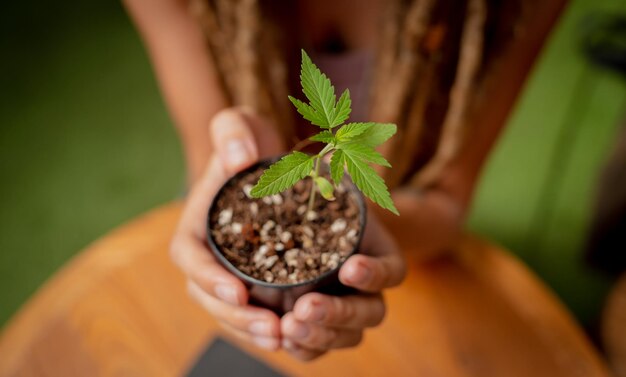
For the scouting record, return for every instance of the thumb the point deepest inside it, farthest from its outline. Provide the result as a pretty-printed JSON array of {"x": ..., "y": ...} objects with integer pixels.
[{"x": 233, "y": 140}]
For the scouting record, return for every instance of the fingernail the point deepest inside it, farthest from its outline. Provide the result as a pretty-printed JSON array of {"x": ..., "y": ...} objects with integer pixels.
[
  {"x": 314, "y": 311},
  {"x": 265, "y": 342},
  {"x": 236, "y": 153},
  {"x": 360, "y": 274},
  {"x": 260, "y": 328},
  {"x": 299, "y": 330},
  {"x": 227, "y": 293}
]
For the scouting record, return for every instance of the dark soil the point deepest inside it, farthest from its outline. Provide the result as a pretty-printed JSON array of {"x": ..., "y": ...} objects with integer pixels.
[{"x": 272, "y": 239}]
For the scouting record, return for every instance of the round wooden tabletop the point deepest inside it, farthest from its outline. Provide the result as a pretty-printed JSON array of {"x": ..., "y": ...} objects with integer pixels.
[
  {"x": 121, "y": 308},
  {"x": 614, "y": 327}
]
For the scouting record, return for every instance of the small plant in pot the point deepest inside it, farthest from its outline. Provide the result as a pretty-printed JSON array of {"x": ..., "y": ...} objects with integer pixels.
[{"x": 268, "y": 225}]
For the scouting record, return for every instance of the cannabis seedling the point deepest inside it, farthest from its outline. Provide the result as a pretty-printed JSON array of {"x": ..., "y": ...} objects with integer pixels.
[{"x": 352, "y": 146}]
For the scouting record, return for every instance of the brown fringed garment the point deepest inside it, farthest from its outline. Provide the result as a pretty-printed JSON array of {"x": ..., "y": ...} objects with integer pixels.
[{"x": 431, "y": 58}]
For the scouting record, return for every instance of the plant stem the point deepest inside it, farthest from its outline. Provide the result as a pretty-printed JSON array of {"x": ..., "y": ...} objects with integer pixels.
[
  {"x": 315, "y": 174},
  {"x": 313, "y": 185}
]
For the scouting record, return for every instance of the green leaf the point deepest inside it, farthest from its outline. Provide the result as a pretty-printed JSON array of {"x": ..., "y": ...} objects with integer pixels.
[
  {"x": 343, "y": 108},
  {"x": 283, "y": 174},
  {"x": 366, "y": 179},
  {"x": 324, "y": 137},
  {"x": 363, "y": 152},
  {"x": 307, "y": 111},
  {"x": 336, "y": 166},
  {"x": 376, "y": 134},
  {"x": 319, "y": 91},
  {"x": 326, "y": 189},
  {"x": 349, "y": 131}
]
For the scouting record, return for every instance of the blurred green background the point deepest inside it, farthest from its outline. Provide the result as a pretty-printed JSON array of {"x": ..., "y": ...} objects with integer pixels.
[
  {"x": 86, "y": 144},
  {"x": 85, "y": 141},
  {"x": 537, "y": 191}
]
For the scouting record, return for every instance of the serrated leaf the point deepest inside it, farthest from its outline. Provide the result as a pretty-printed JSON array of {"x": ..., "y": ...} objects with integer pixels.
[
  {"x": 336, "y": 166},
  {"x": 363, "y": 152},
  {"x": 283, "y": 174},
  {"x": 318, "y": 90},
  {"x": 324, "y": 137},
  {"x": 376, "y": 134},
  {"x": 372, "y": 185},
  {"x": 326, "y": 189},
  {"x": 307, "y": 111},
  {"x": 349, "y": 131},
  {"x": 343, "y": 108}
]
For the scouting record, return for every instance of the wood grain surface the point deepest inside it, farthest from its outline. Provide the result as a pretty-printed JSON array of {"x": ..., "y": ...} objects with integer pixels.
[{"x": 120, "y": 308}]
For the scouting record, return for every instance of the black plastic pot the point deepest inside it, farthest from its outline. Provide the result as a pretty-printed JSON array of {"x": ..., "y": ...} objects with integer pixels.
[{"x": 281, "y": 297}]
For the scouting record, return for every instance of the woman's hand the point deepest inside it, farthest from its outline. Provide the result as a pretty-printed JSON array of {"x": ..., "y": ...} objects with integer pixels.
[
  {"x": 319, "y": 323},
  {"x": 239, "y": 138}
]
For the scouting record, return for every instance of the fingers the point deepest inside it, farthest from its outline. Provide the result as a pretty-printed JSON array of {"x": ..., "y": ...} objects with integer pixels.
[
  {"x": 189, "y": 251},
  {"x": 373, "y": 273},
  {"x": 269, "y": 141},
  {"x": 299, "y": 352},
  {"x": 266, "y": 342},
  {"x": 200, "y": 266},
  {"x": 351, "y": 312},
  {"x": 318, "y": 337},
  {"x": 380, "y": 265},
  {"x": 319, "y": 323},
  {"x": 235, "y": 134},
  {"x": 252, "y": 323},
  {"x": 241, "y": 136},
  {"x": 235, "y": 148},
  {"x": 233, "y": 140}
]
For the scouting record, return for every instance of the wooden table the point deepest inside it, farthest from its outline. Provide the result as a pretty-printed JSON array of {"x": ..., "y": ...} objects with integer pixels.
[
  {"x": 121, "y": 308},
  {"x": 614, "y": 327}
]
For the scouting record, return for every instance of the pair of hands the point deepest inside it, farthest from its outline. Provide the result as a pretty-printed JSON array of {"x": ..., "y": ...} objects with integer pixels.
[{"x": 318, "y": 323}]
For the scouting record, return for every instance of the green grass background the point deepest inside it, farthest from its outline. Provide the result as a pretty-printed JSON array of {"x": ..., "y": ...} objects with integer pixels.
[
  {"x": 86, "y": 144},
  {"x": 537, "y": 190}
]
